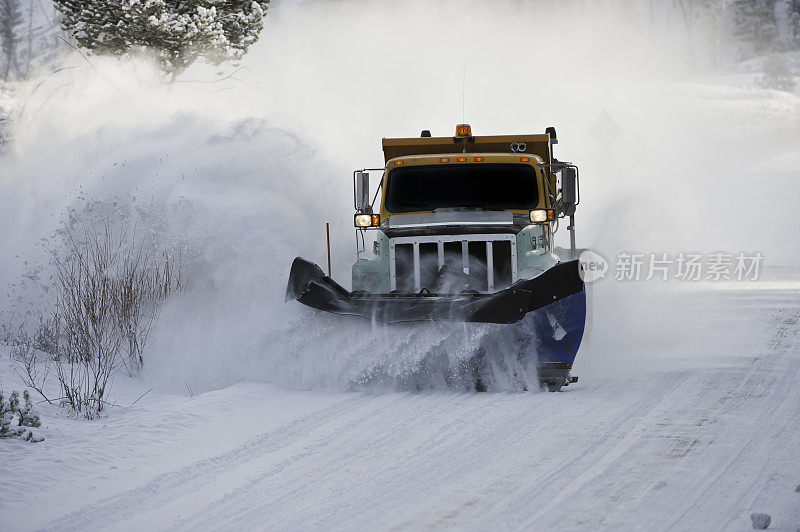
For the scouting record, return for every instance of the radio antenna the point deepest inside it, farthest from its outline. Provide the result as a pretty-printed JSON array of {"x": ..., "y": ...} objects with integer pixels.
[{"x": 463, "y": 94}]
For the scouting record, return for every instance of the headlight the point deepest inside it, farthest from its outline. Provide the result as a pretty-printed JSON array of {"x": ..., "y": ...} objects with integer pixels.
[
  {"x": 543, "y": 215},
  {"x": 363, "y": 221}
]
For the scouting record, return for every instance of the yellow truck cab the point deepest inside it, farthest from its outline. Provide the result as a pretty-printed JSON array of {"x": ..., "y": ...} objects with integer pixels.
[{"x": 484, "y": 206}]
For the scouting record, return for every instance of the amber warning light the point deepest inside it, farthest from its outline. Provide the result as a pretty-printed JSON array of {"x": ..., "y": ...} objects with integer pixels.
[{"x": 463, "y": 130}]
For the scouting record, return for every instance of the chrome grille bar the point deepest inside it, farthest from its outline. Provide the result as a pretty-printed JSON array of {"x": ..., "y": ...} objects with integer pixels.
[
  {"x": 417, "y": 275},
  {"x": 501, "y": 266},
  {"x": 489, "y": 266}
]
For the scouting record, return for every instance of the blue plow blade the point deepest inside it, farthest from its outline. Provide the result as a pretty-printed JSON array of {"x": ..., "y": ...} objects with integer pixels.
[{"x": 559, "y": 328}]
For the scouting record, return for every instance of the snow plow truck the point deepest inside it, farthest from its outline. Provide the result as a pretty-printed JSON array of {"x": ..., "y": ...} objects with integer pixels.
[{"x": 464, "y": 229}]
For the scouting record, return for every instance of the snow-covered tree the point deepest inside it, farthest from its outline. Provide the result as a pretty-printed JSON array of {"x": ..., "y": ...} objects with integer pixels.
[
  {"x": 178, "y": 32},
  {"x": 754, "y": 22},
  {"x": 10, "y": 22},
  {"x": 768, "y": 25},
  {"x": 28, "y": 37},
  {"x": 13, "y": 420},
  {"x": 777, "y": 74}
]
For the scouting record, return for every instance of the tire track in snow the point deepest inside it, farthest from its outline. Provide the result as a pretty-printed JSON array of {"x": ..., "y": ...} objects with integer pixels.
[
  {"x": 244, "y": 500},
  {"x": 251, "y": 502},
  {"x": 182, "y": 481},
  {"x": 780, "y": 378},
  {"x": 445, "y": 446},
  {"x": 773, "y": 373},
  {"x": 609, "y": 446}
]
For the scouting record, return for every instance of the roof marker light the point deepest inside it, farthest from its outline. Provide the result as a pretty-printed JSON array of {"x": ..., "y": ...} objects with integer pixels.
[{"x": 463, "y": 130}]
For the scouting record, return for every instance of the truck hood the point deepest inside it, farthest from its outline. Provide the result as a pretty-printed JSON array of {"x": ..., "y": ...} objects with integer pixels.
[{"x": 450, "y": 218}]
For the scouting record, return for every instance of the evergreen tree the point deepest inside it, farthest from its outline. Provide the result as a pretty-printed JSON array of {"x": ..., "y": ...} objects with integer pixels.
[
  {"x": 29, "y": 417},
  {"x": 177, "y": 32},
  {"x": 13, "y": 402}
]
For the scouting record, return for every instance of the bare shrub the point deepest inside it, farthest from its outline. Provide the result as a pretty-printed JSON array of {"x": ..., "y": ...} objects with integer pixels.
[
  {"x": 29, "y": 366},
  {"x": 87, "y": 300},
  {"x": 777, "y": 74},
  {"x": 46, "y": 336},
  {"x": 108, "y": 287},
  {"x": 142, "y": 284},
  {"x": 100, "y": 301}
]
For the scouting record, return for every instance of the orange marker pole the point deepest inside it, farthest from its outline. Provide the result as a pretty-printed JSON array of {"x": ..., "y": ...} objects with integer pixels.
[{"x": 328, "y": 235}]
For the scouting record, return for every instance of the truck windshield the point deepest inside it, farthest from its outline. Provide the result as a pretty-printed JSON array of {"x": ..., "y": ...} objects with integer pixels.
[{"x": 472, "y": 186}]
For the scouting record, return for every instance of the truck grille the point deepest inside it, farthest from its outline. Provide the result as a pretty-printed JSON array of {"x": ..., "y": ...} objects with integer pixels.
[{"x": 452, "y": 263}]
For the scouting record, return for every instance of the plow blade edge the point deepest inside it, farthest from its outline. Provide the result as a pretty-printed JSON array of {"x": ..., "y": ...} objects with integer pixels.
[{"x": 309, "y": 285}]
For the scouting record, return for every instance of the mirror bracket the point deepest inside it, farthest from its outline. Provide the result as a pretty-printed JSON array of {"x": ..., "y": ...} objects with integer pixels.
[{"x": 361, "y": 185}]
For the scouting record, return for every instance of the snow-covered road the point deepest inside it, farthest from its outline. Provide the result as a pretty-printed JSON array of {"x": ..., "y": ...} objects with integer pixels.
[
  {"x": 694, "y": 448},
  {"x": 687, "y": 413}
]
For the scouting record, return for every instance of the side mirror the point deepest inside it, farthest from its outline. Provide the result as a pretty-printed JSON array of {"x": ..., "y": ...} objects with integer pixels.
[
  {"x": 569, "y": 189},
  {"x": 362, "y": 192}
]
